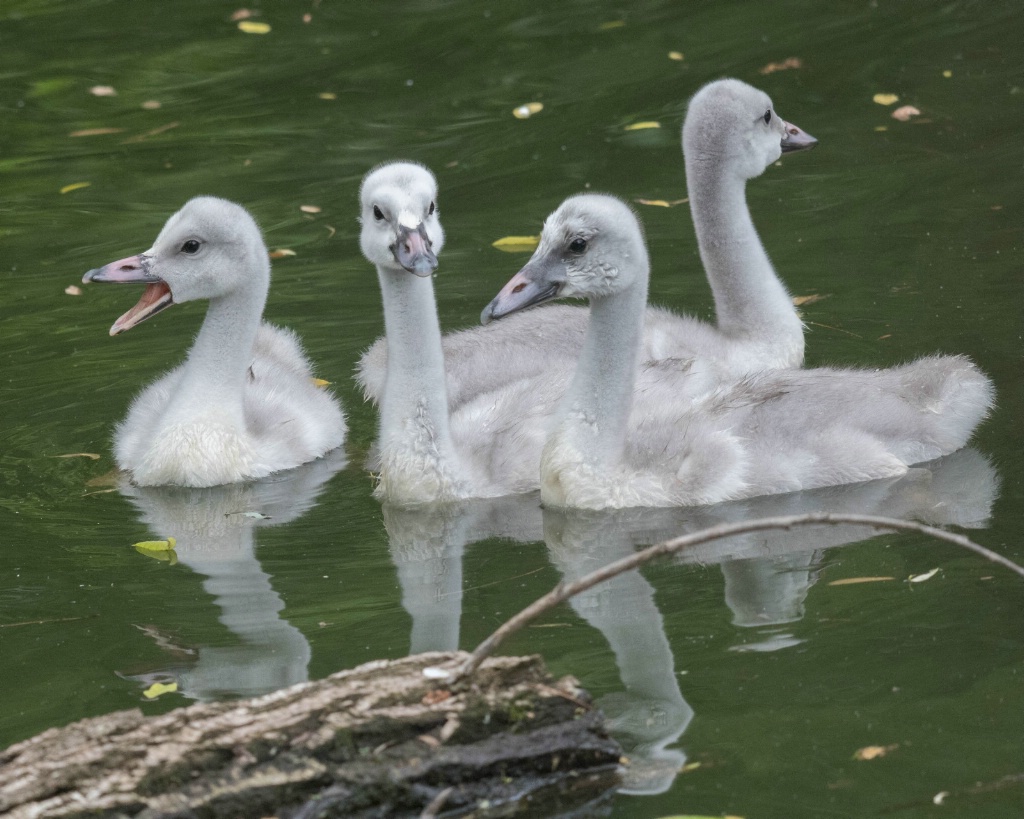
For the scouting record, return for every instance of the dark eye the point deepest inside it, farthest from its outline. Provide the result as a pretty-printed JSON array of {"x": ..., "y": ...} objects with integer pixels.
[
  {"x": 431, "y": 211},
  {"x": 377, "y": 214},
  {"x": 191, "y": 246},
  {"x": 767, "y": 116},
  {"x": 578, "y": 245}
]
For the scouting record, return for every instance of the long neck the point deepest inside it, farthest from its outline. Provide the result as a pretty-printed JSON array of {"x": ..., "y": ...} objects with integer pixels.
[
  {"x": 750, "y": 301},
  {"x": 218, "y": 364},
  {"x": 594, "y": 414},
  {"x": 414, "y": 409}
]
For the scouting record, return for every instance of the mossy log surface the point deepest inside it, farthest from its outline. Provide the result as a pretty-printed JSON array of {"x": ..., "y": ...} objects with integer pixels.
[{"x": 383, "y": 739}]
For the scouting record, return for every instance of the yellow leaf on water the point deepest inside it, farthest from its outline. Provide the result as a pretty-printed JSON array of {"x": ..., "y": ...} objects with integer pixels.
[
  {"x": 885, "y": 99},
  {"x": 75, "y": 186},
  {"x": 103, "y": 91},
  {"x": 152, "y": 105},
  {"x": 920, "y": 578},
  {"x": 327, "y": 95},
  {"x": 319, "y": 382},
  {"x": 789, "y": 62},
  {"x": 612, "y": 24},
  {"x": 87, "y": 132},
  {"x": 92, "y": 456},
  {"x": 881, "y": 127},
  {"x": 159, "y": 689},
  {"x": 642, "y": 126},
  {"x": 156, "y": 545},
  {"x": 661, "y": 203},
  {"x": 309, "y": 208},
  {"x": 947, "y": 73},
  {"x": 799, "y": 301},
  {"x": 870, "y": 752},
  {"x": 516, "y": 244},
  {"x": 73, "y": 290},
  {"x": 527, "y": 110},
  {"x": 281, "y": 252},
  {"x": 905, "y": 112},
  {"x": 676, "y": 55},
  {"x": 252, "y": 27},
  {"x": 849, "y": 581}
]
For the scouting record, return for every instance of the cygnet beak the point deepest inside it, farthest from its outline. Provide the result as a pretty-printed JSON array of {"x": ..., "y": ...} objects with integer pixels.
[
  {"x": 134, "y": 270},
  {"x": 796, "y": 139},
  {"x": 532, "y": 285},
  {"x": 413, "y": 251}
]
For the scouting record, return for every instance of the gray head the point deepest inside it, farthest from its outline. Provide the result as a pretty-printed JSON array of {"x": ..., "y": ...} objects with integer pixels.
[
  {"x": 592, "y": 246},
  {"x": 401, "y": 224},
  {"x": 208, "y": 249},
  {"x": 735, "y": 124}
]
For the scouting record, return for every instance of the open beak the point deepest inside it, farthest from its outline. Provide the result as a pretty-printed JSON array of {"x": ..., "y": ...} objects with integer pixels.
[
  {"x": 530, "y": 286},
  {"x": 796, "y": 139},
  {"x": 413, "y": 252},
  {"x": 134, "y": 270}
]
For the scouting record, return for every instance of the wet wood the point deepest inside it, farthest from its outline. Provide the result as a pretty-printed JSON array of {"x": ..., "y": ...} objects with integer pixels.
[{"x": 383, "y": 739}]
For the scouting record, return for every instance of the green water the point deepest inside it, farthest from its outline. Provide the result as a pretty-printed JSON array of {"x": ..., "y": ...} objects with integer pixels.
[{"x": 912, "y": 232}]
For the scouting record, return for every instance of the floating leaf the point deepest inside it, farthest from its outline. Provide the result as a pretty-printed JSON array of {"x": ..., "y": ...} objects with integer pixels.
[
  {"x": 252, "y": 27},
  {"x": 103, "y": 91},
  {"x": 905, "y": 112},
  {"x": 87, "y": 132},
  {"x": 309, "y": 208},
  {"x": 281, "y": 252},
  {"x": 947, "y": 73},
  {"x": 785, "y": 65},
  {"x": 154, "y": 132},
  {"x": 661, "y": 203},
  {"x": 156, "y": 545},
  {"x": 849, "y": 581},
  {"x": 151, "y": 105},
  {"x": 307, "y": 18},
  {"x": 799, "y": 301},
  {"x": 676, "y": 55},
  {"x": 642, "y": 126},
  {"x": 319, "y": 382},
  {"x": 92, "y": 456},
  {"x": 870, "y": 752},
  {"x": 159, "y": 689},
  {"x": 241, "y": 14},
  {"x": 920, "y": 578},
  {"x": 74, "y": 186},
  {"x": 517, "y": 244},
  {"x": 612, "y": 24},
  {"x": 327, "y": 95},
  {"x": 885, "y": 99},
  {"x": 527, "y": 110},
  {"x": 881, "y": 127},
  {"x": 73, "y": 290}
]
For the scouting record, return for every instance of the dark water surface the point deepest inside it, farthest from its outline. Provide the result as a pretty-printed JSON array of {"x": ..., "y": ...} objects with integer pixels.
[{"x": 742, "y": 659}]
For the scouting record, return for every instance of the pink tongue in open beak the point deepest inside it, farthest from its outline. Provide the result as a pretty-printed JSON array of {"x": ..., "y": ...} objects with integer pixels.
[{"x": 156, "y": 297}]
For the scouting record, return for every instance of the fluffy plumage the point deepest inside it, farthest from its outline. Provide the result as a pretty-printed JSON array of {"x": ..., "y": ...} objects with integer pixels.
[
  {"x": 244, "y": 403},
  {"x": 626, "y": 435},
  {"x": 726, "y": 141},
  {"x": 490, "y": 445}
]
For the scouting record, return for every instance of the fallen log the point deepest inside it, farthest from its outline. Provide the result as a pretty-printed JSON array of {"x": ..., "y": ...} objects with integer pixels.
[{"x": 388, "y": 738}]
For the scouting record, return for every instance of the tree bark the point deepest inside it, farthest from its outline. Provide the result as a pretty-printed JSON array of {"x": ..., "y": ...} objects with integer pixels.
[{"x": 383, "y": 739}]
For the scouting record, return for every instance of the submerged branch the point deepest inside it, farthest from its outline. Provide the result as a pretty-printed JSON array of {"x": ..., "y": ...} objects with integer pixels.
[{"x": 563, "y": 591}]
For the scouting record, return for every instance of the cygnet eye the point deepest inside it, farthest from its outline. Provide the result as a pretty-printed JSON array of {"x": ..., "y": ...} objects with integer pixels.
[
  {"x": 432, "y": 209},
  {"x": 578, "y": 245},
  {"x": 378, "y": 214},
  {"x": 191, "y": 246},
  {"x": 767, "y": 116}
]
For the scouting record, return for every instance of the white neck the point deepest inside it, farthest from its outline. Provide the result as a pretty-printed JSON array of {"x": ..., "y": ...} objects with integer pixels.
[
  {"x": 418, "y": 459},
  {"x": 594, "y": 414},
  {"x": 750, "y": 301},
  {"x": 215, "y": 373}
]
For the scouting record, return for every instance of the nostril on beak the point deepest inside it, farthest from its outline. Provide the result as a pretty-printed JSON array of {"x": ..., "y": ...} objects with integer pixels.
[{"x": 518, "y": 288}]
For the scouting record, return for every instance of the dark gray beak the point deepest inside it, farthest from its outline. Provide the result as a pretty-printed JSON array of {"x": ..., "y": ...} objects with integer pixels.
[
  {"x": 413, "y": 252},
  {"x": 796, "y": 139},
  {"x": 535, "y": 284}
]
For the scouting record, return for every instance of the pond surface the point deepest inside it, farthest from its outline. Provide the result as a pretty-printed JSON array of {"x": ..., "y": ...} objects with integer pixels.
[{"x": 739, "y": 679}]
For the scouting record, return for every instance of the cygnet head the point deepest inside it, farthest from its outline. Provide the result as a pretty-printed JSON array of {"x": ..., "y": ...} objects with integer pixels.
[
  {"x": 592, "y": 246},
  {"x": 401, "y": 222},
  {"x": 208, "y": 249},
  {"x": 735, "y": 125}
]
